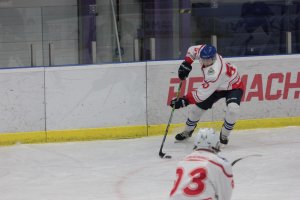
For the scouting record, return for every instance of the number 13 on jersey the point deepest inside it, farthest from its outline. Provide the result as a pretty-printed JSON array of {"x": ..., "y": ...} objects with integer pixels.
[{"x": 196, "y": 184}]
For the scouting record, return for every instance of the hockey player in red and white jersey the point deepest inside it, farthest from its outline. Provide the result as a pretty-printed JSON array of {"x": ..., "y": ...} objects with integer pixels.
[
  {"x": 203, "y": 174},
  {"x": 220, "y": 80}
]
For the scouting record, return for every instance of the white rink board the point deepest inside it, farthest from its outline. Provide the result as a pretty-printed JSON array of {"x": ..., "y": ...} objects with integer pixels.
[
  {"x": 96, "y": 96},
  {"x": 283, "y": 69},
  {"x": 22, "y": 100},
  {"x": 130, "y": 94},
  {"x": 278, "y": 71}
]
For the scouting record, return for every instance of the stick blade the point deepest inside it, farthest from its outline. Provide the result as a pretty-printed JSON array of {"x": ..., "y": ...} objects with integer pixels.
[
  {"x": 164, "y": 156},
  {"x": 161, "y": 154}
]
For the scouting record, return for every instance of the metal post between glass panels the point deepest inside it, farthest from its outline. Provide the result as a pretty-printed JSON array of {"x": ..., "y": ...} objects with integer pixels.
[
  {"x": 33, "y": 55},
  {"x": 214, "y": 41},
  {"x": 152, "y": 48},
  {"x": 288, "y": 36},
  {"x": 51, "y": 54},
  {"x": 94, "y": 52},
  {"x": 136, "y": 50}
]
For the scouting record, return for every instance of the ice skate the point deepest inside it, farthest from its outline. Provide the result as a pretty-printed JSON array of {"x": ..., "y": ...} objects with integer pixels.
[
  {"x": 184, "y": 135},
  {"x": 223, "y": 139}
]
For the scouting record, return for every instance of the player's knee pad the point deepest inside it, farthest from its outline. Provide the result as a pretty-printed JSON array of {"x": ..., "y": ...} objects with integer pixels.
[{"x": 233, "y": 109}]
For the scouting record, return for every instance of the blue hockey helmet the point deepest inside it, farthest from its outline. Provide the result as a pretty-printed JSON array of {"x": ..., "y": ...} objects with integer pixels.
[
  {"x": 208, "y": 51},
  {"x": 208, "y": 55}
]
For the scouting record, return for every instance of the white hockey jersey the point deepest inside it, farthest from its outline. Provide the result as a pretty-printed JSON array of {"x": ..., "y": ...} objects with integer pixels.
[
  {"x": 203, "y": 175},
  {"x": 217, "y": 77}
]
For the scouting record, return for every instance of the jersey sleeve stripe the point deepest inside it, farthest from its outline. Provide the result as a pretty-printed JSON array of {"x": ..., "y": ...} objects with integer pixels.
[
  {"x": 234, "y": 80},
  {"x": 196, "y": 97}
]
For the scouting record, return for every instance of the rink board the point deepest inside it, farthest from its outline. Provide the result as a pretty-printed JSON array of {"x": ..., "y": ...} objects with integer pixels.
[
  {"x": 272, "y": 89},
  {"x": 128, "y": 100}
]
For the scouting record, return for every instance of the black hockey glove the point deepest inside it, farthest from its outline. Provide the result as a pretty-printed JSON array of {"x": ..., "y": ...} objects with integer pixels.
[
  {"x": 184, "y": 70},
  {"x": 179, "y": 103}
]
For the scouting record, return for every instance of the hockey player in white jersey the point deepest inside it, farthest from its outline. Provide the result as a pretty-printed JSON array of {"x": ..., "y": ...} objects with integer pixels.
[
  {"x": 203, "y": 174},
  {"x": 220, "y": 80}
]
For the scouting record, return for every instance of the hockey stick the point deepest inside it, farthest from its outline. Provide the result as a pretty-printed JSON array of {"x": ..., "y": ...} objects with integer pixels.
[
  {"x": 237, "y": 160},
  {"x": 161, "y": 154}
]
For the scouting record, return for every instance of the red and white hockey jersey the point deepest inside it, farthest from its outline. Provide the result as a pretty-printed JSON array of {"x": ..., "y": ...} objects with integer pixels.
[
  {"x": 203, "y": 175},
  {"x": 218, "y": 77}
]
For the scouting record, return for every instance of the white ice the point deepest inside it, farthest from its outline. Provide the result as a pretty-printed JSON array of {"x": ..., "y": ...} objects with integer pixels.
[{"x": 132, "y": 170}]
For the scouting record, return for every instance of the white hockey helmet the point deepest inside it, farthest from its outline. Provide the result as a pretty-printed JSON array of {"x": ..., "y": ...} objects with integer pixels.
[{"x": 207, "y": 139}]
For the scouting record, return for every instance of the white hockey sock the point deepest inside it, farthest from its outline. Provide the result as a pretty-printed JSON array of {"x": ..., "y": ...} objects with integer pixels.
[
  {"x": 230, "y": 118},
  {"x": 194, "y": 116}
]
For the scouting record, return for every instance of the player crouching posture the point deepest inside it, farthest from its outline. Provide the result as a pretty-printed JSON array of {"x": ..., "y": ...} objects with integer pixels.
[
  {"x": 220, "y": 80},
  {"x": 203, "y": 174}
]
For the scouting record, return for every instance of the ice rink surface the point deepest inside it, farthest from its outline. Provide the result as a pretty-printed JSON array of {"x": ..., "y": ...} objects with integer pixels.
[{"x": 132, "y": 170}]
